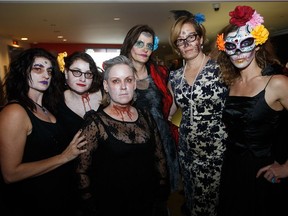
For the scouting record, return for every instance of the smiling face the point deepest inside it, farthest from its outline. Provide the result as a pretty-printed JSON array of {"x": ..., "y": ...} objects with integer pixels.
[
  {"x": 120, "y": 84},
  {"x": 41, "y": 73},
  {"x": 79, "y": 84},
  {"x": 240, "y": 47},
  {"x": 143, "y": 48},
  {"x": 189, "y": 43}
]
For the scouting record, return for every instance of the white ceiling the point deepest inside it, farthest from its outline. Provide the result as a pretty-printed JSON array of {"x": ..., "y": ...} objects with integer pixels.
[{"x": 92, "y": 21}]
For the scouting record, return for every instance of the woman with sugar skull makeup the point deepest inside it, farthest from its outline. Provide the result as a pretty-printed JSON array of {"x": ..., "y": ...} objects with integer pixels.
[{"x": 251, "y": 176}]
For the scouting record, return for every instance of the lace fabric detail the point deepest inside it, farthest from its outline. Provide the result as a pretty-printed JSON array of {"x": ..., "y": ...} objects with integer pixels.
[{"x": 120, "y": 140}]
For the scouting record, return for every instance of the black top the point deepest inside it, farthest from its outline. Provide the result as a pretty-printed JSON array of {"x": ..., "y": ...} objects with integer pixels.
[
  {"x": 123, "y": 167},
  {"x": 251, "y": 123},
  {"x": 47, "y": 194}
]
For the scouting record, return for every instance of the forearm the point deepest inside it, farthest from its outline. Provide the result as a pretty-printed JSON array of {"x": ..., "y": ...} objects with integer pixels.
[{"x": 32, "y": 169}]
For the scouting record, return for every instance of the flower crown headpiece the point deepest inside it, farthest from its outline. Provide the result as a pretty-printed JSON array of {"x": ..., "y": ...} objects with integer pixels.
[
  {"x": 245, "y": 15},
  {"x": 60, "y": 60}
]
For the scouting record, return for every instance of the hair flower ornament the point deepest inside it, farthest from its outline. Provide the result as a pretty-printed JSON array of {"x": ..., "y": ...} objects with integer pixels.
[
  {"x": 245, "y": 15},
  {"x": 220, "y": 42},
  {"x": 260, "y": 33},
  {"x": 61, "y": 62},
  {"x": 156, "y": 42},
  {"x": 199, "y": 18},
  {"x": 241, "y": 15}
]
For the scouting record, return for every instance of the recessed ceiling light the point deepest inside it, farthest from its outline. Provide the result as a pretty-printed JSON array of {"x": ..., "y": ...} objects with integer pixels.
[
  {"x": 116, "y": 18},
  {"x": 24, "y": 39},
  {"x": 60, "y": 36},
  {"x": 64, "y": 40}
]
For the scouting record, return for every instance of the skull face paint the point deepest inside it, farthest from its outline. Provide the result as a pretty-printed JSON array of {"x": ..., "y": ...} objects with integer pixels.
[{"x": 240, "y": 46}]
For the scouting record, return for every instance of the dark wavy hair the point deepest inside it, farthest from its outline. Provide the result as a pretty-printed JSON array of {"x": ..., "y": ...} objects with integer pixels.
[
  {"x": 132, "y": 37},
  {"x": 97, "y": 78},
  {"x": 265, "y": 56},
  {"x": 16, "y": 82}
]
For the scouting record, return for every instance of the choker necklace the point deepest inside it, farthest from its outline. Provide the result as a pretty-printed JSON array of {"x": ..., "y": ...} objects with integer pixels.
[{"x": 42, "y": 107}]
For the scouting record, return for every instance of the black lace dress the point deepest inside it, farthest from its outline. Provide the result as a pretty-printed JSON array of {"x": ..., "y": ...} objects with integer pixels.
[{"x": 123, "y": 168}]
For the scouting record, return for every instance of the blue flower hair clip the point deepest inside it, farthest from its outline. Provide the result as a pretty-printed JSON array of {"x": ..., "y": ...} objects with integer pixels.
[
  {"x": 199, "y": 18},
  {"x": 156, "y": 41}
]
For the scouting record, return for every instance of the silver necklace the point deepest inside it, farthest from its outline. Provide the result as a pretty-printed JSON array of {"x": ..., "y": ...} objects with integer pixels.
[
  {"x": 42, "y": 108},
  {"x": 192, "y": 85}
]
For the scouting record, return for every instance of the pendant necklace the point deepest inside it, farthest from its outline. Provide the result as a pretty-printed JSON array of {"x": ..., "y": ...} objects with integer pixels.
[
  {"x": 42, "y": 108},
  {"x": 192, "y": 85}
]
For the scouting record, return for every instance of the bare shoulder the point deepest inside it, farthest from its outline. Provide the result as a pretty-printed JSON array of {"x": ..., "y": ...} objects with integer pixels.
[
  {"x": 13, "y": 114},
  {"x": 277, "y": 92},
  {"x": 279, "y": 82}
]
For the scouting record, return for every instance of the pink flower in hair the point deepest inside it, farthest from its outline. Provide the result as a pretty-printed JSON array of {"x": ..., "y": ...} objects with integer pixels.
[{"x": 255, "y": 20}]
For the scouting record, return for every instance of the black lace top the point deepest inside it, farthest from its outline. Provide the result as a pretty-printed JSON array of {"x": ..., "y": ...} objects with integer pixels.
[{"x": 124, "y": 166}]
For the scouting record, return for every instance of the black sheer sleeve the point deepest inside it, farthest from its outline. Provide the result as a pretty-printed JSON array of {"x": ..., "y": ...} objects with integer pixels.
[{"x": 93, "y": 130}]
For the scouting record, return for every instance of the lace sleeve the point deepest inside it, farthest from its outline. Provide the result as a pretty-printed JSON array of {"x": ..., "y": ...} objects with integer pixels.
[{"x": 93, "y": 130}]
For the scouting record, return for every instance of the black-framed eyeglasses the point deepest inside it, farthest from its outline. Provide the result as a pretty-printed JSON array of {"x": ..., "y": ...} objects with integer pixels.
[
  {"x": 191, "y": 38},
  {"x": 78, "y": 73}
]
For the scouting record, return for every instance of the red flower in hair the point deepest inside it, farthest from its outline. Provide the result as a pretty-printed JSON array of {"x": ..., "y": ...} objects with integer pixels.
[{"x": 241, "y": 15}]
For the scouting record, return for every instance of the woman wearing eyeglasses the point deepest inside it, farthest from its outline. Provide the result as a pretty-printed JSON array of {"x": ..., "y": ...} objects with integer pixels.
[
  {"x": 200, "y": 94},
  {"x": 82, "y": 95},
  {"x": 152, "y": 93},
  {"x": 82, "y": 90}
]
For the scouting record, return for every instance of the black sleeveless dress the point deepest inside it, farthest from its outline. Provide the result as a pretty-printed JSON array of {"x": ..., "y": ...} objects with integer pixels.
[
  {"x": 47, "y": 194},
  {"x": 252, "y": 130}
]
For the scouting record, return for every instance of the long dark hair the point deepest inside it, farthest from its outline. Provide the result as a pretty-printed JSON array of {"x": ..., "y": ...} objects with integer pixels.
[
  {"x": 16, "y": 81},
  {"x": 132, "y": 37}
]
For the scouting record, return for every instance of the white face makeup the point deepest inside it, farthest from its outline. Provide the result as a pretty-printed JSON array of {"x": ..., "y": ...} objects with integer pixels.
[
  {"x": 79, "y": 77},
  {"x": 239, "y": 41},
  {"x": 41, "y": 73},
  {"x": 242, "y": 60},
  {"x": 240, "y": 46},
  {"x": 120, "y": 84}
]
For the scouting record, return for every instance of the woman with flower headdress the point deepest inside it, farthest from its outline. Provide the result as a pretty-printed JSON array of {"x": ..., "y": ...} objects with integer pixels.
[
  {"x": 250, "y": 174},
  {"x": 200, "y": 94},
  {"x": 152, "y": 93}
]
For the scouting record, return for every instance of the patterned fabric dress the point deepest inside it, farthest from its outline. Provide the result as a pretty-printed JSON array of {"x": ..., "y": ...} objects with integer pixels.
[{"x": 201, "y": 136}]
